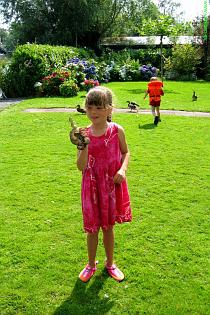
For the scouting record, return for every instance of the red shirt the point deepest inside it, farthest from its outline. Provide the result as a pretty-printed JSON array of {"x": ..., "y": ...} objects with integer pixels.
[{"x": 155, "y": 90}]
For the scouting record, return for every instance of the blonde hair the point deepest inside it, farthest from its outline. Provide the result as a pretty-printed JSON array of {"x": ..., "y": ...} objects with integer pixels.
[
  {"x": 153, "y": 79},
  {"x": 99, "y": 96}
]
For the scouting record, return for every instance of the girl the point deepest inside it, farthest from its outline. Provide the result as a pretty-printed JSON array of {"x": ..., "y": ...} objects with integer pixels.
[{"x": 105, "y": 197}]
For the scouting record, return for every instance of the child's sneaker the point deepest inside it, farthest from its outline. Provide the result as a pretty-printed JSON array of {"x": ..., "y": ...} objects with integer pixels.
[
  {"x": 115, "y": 272},
  {"x": 156, "y": 120},
  {"x": 87, "y": 272}
]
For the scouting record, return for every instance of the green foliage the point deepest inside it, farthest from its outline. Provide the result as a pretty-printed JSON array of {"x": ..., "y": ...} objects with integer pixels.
[
  {"x": 4, "y": 64},
  {"x": 70, "y": 22},
  {"x": 207, "y": 76},
  {"x": 184, "y": 60},
  {"x": 119, "y": 57},
  {"x": 68, "y": 88},
  {"x": 77, "y": 72},
  {"x": 130, "y": 71},
  {"x": 144, "y": 56},
  {"x": 164, "y": 25},
  {"x": 31, "y": 62},
  {"x": 132, "y": 16}
]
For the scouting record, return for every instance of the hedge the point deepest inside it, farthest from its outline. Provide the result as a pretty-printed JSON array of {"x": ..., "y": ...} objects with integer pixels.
[{"x": 31, "y": 62}]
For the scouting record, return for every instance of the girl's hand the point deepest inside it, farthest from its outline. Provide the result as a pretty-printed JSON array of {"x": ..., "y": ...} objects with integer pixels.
[
  {"x": 83, "y": 139},
  {"x": 119, "y": 176},
  {"x": 83, "y": 132}
]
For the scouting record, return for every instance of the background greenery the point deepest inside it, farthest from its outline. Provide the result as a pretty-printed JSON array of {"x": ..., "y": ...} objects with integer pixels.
[
  {"x": 45, "y": 65},
  {"x": 163, "y": 252},
  {"x": 55, "y": 23},
  {"x": 81, "y": 22}
]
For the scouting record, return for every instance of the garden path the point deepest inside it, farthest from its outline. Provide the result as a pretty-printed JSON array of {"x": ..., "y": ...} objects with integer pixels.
[
  {"x": 4, "y": 103},
  {"x": 120, "y": 110},
  {"x": 9, "y": 102}
]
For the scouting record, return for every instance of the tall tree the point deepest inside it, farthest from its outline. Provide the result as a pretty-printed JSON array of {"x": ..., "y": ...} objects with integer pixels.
[
  {"x": 132, "y": 15},
  {"x": 201, "y": 27},
  {"x": 66, "y": 22},
  {"x": 165, "y": 25},
  {"x": 170, "y": 7}
]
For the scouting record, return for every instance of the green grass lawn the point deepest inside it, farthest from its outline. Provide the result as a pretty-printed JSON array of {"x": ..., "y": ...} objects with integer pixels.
[
  {"x": 163, "y": 251},
  {"x": 178, "y": 96}
]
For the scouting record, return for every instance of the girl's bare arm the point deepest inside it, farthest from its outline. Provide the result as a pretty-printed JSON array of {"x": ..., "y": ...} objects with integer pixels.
[
  {"x": 120, "y": 175},
  {"x": 82, "y": 159}
]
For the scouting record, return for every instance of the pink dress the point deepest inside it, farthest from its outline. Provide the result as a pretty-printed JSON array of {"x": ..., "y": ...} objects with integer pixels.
[{"x": 103, "y": 202}]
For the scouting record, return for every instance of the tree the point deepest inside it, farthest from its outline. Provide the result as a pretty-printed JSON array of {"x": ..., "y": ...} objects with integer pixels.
[
  {"x": 201, "y": 27},
  {"x": 132, "y": 16},
  {"x": 184, "y": 60},
  {"x": 169, "y": 7},
  {"x": 68, "y": 22},
  {"x": 164, "y": 25}
]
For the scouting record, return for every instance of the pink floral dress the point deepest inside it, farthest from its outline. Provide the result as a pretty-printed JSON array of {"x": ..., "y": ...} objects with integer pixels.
[{"x": 103, "y": 202}]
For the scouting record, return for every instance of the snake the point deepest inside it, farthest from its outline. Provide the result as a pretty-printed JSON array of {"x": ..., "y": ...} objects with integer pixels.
[{"x": 76, "y": 137}]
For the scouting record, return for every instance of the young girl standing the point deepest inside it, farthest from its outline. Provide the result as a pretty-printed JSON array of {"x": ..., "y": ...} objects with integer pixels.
[{"x": 105, "y": 197}]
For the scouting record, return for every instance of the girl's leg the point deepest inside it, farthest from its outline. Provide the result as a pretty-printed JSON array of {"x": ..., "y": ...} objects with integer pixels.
[
  {"x": 92, "y": 243},
  {"x": 113, "y": 271},
  {"x": 108, "y": 239},
  {"x": 153, "y": 110},
  {"x": 157, "y": 110}
]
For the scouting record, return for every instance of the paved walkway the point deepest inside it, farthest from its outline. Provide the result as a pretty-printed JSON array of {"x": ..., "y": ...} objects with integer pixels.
[
  {"x": 10, "y": 102},
  {"x": 120, "y": 110},
  {"x": 4, "y": 103}
]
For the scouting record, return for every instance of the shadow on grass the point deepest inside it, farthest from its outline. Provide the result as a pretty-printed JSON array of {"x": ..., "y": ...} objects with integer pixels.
[
  {"x": 137, "y": 91},
  {"x": 147, "y": 126},
  {"x": 85, "y": 299},
  {"x": 140, "y": 91},
  {"x": 172, "y": 91}
]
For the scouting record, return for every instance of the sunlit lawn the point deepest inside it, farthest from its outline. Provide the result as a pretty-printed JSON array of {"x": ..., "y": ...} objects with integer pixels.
[
  {"x": 163, "y": 252},
  {"x": 178, "y": 95}
]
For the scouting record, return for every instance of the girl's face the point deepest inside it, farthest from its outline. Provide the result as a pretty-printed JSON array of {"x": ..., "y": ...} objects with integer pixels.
[{"x": 98, "y": 114}]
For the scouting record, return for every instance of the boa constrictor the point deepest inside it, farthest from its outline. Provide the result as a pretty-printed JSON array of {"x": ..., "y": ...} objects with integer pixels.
[{"x": 76, "y": 137}]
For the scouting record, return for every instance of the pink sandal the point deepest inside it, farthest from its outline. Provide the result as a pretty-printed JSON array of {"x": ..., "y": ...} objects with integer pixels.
[
  {"x": 87, "y": 272},
  {"x": 115, "y": 272}
]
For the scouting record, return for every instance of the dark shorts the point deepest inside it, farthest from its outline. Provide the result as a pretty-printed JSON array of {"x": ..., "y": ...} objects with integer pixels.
[{"x": 154, "y": 103}]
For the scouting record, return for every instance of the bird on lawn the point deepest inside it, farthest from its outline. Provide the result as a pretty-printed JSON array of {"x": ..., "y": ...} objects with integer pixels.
[
  {"x": 80, "y": 110},
  {"x": 194, "y": 97},
  {"x": 133, "y": 105}
]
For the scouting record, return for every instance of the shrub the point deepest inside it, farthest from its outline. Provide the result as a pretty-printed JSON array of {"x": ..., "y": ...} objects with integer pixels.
[
  {"x": 51, "y": 83},
  {"x": 102, "y": 71},
  {"x": 114, "y": 71},
  {"x": 174, "y": 75},
  {"x": 68, "y": 88},
  {"x": 83, "y": 69},
  {"x": 130, "y": 71},
  {"x": 4, "y": 66},
  {"x": 183, "y": 62},
  {"x": 207, "y": 76},
  {"x": 88, "y": 84},
  {"x": 76, "y": 67},
  {"x": 31, "y": 62},
  {"x": 119, "y": 57},
  {"x": 148, "y": 71}
]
